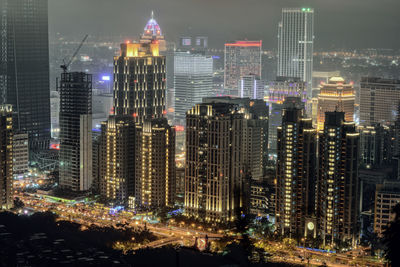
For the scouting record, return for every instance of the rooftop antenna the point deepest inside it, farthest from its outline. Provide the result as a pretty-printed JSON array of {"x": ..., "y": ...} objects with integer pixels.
[{"x": 152, "y": 14}]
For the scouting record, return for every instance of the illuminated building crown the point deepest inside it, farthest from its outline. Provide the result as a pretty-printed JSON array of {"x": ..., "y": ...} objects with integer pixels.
[{"x": 152, "y": 28}]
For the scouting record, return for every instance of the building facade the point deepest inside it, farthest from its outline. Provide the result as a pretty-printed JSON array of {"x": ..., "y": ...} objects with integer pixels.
[
  {"x": 338, "y": 194},
  {"x": 20, "y": 153},
  {"x": 214, "y": 162},
  {"x": 140, "y": 81},
  {"x": 193, "y": 80},
  {"x": 155, "y": 171},
  {"x": 387, "y": 195},
  {"x": 75, "y": 131},
  {"x": 295, "y": 172},
  {"x": 241, "y": 58},
  {"x": 6, "y": 157},
  {"x": 284, "y": 87},
  {"x": 379, "y": 100},
  {"x": 336, "y": 95},
  {"x": 296, "y": 44},
  {"x": 24, "y": 71},
  {"x": 251, "y": 87}
]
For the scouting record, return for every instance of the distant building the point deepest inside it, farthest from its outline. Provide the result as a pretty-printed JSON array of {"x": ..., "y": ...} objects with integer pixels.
[
  {"x": 379, "y": 99},
  {"x": 193, "y": 80},
  {"x": 338, "y": 188},
  {"x": 24, "y": 72},
  {"x": 386, "y": 197},
  {"x": 214, "y": 162},
  {"x": 284, "y": 87},
  {"x": 140, "y": 81},
  {"x": 251, "y": 87},
  {"x": 20, "y": 153},
  {"x": 295, "y": 45},
  {"x": 76, "y": 131},
  {"x": 189, "y": 43},
  {"x": 117, "y": 160},
  {"x": 241, "y": 58},
  {"x": 296, "y": 171},
  {"x": 155, "y": 171},
  {"x": 336, "y": 95},
  {"x": 6, "y": 158},
  {"x": 55, "y": 113}
]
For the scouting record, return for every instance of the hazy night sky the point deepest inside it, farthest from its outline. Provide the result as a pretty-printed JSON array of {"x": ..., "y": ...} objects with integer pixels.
[{"x": 338, "y": 23}]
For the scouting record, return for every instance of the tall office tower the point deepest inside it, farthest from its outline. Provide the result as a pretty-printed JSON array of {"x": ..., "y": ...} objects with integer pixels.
[
  {"x": 6, "y": 157},
  {"x": 20, "y": 153},
  {"x": 256, "y": 113},
  {"x": 152, "y": 32},
  {"x": 24, "y": 71},
  {"x": 295, "y": 172},
  {"x": 193, "y": 80},
  {"x": 295, "y": 45},
  {"x": 241, "y": 58},
  {"x": 379, "y": 99},
  {"x": 376, "y": 145},
  {"x": 251, "y": 87},
  {"x": 155, "y": 182},
  {"x": 214, "y": 161},
  {"x": 117, "y": 160},
  {"x": 387, "y": 195},
  {"x": 140, "y": 81},
  {"x": 284, "y": 87},
  {"x": 336, "y": 95},
  {"x": 76, "y": 131},
  {"x": 275, "y": 120},
  {"x": 338, "y": 195}
]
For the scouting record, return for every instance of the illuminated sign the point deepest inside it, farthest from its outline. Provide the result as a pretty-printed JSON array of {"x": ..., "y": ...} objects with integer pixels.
[{"x": 106, "y": 78}]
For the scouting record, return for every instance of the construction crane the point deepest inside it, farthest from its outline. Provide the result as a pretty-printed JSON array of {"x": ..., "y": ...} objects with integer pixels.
[{"x": 64, "y": 67}]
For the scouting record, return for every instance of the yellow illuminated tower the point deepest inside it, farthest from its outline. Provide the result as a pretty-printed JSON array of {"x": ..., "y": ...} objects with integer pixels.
[
  {"x": 140, "y": 81},
  {"x": 336, "y": 95}
]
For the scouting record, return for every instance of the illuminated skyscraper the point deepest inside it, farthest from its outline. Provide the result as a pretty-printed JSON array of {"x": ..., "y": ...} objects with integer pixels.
[
  {"x": 24, "y": 67},
  {"x": 117, "y": 160},
  {"x": 295, "y": 44},
  {"x": 76, "y": 131},
  {"x": 241, "y": 58},
  {"x": 6, "y": 157},
  {"x": 338, "y": 195},
  {"x": 379, "y": 99},
  {"x": 214, "y": 161},
  {"x": 140, "y": 81},
  {"x": 336, "y": 95},
  {"x": 155, "y": 181},
  {"x": 193, "y": 74},
  {"x": 296, "y": 171}
]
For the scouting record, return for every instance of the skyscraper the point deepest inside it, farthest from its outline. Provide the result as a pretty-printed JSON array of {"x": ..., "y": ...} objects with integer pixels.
[
  {"x": 117, "y": 160},
  {"x": 241, "y": 58},
  {"x": 155, "y": 181},
  {"x": 284, "y": 87},
  {"x": 140, "y": 81},
  {"x": 24, "y": 67},
  {"x": 6, "y": 157},
  {"x": 214, "y": 162},
  {"x": 296, "y": 171},
  {"x": 295, "y": 45},
  {"x": 193, "y": 80},
  {"x": 251, "y": 87},
  {"x": 379, "y": 99},
  {"x": 338, "y": 195},
  {"x": 76, "y": 131},
  {"x": 336, "y": 95}
]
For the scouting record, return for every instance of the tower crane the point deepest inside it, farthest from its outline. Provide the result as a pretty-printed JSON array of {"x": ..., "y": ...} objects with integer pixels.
[{"x": 64, "y": 67}]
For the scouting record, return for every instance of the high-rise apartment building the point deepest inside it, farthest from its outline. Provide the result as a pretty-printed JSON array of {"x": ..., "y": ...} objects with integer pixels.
[
  {"x": 214, "y": 162},
  {"x": 20, "y": 153},
  {"x": 295, "y": 45},
  {"x": 140, "y": 81},
  {"x": 6, "y": 157},
  {"x": 155, "y": 181},
  {"x": 193, "y": 80},
  {"x": 75, "y": 131},
  {"x": 296, "y": 171},
  {"x": 338, "y": 194},
  {"x": 387, "y": 195},
  {"x": 336, "y": 95},
  {"x": 251, "y": 87},
  {"x": 379, "y": 99},
  {"x": 24, "y": 67},
  {"x": 241, "y": 58},
  {"x": 117, "y": 160}
]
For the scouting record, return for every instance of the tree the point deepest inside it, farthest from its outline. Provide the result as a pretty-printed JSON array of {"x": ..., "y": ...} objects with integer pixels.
[{"x": 391, "y": 238}]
